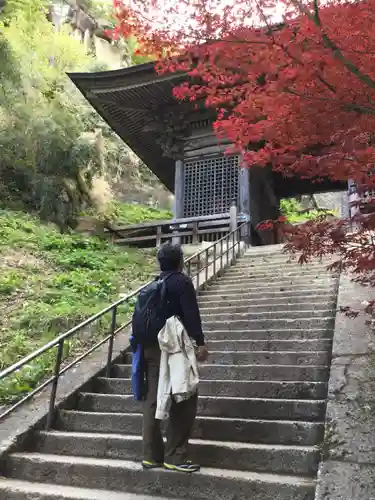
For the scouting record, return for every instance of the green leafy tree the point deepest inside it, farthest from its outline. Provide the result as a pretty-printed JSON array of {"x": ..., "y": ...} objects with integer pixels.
[{"x": 52, "y": 142}]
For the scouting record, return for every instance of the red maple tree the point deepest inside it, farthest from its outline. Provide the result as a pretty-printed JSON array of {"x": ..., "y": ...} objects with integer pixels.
[{"x": 293, "y": 85}]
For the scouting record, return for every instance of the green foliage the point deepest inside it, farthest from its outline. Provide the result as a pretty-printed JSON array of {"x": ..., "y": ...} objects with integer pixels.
[
  {"x": 43, "y": 122},
  {"x": 53, "y": 144},
  {"x": 292, "y": 208},
  {"x": 10, "y": 281},
  {"x": 125, "y": 213},
  {"x": 50, "y": 282}
]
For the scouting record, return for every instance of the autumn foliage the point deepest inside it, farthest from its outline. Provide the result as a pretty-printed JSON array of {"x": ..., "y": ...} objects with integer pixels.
[{"x": 293, "y": 86}]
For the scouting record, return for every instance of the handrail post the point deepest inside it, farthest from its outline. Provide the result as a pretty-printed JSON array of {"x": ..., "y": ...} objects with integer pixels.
[
  {"x": 221, "y": 254},
  {"x": 234, "y": 247},
  {"x": 56, "y": 376},
  {"x": 214, "y": 257},
  {"x": 249, "y": 226},
  {"x": 227, "y": 241},
  {"x": 158, "y": 236},
  {"x": 206, "y": 266},
  {"x": 199, "y": 270},
  {"x": 189, "y": 268},
  {"x": 111, "y": 342}
]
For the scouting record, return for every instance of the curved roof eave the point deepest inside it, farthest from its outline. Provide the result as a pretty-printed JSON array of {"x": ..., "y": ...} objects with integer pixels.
[{"x": 126, "y": 99}]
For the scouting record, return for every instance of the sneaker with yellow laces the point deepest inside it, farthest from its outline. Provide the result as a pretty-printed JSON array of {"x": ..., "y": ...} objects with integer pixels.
[{"x": 151, "y": 464}]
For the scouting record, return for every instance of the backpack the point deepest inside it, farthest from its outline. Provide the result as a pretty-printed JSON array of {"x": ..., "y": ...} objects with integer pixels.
[{"x": 150, "y": 312}]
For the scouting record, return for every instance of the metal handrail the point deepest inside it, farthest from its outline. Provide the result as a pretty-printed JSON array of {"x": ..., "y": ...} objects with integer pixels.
[{"x": 233, "y": 238}]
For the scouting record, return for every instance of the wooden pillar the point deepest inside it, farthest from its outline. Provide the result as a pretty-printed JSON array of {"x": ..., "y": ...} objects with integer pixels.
[
  {"x": 178, "y": 207},
  {"x": 233, "y": 216},
  {"x": 244, "y": 200},
  {"x": 179, "y": 185}
]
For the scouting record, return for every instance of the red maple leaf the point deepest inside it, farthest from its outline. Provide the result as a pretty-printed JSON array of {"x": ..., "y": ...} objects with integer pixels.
[{"x": 298, "y": 95}]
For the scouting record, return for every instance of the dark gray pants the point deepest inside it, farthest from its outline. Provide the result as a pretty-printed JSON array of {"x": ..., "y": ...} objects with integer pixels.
[{"x": 180, "y": 423}]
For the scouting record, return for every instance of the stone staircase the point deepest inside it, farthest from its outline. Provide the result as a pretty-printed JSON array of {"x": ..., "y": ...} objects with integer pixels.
[{"x": 269, "y": 327}]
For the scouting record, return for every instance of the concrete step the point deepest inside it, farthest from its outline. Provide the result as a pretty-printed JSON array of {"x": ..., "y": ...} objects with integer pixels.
[
  {"x": 248, "y": 408},
  {"x": 269, "y": 323},
  {"x": 121, "y": 475},
  {"x": 279, "y": 459},
  {"x": 249, "y": 372},
  {"x": 274, "y": 333},
  {"x": 13, "y": 489},
  {"x": 243, "y": 307},
  {"x": 230, "y": 388},
  {"x": 239, "y": 358},
  {"x": 288, "y": 432},
  {"x": 306, "y": 312}
]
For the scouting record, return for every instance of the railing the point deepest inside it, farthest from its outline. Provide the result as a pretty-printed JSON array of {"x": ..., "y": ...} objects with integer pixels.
[
  {"x": 188, "y": 230},
  {"x": 223, "y": 252}
]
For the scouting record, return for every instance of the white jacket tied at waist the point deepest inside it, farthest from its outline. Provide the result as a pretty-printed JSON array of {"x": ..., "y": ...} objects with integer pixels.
[{"x": 178, "y": 377}]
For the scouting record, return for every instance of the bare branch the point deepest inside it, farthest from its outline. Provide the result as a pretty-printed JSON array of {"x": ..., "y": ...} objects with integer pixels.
[{"x": 358, "y": 108}]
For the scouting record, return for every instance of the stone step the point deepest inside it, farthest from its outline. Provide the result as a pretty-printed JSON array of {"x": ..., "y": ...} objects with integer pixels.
[
  {"x": 268, "y": 333},
  {"x": 233, "y": 301},
  {"x": 286, "y": 259},
  {"x": 13, "y": 489},
  {"x": 266, "y": 290},
  {"x": 239, "y": 358},
  {"x": 306, "y": 312},
  {"x": 280, "y": 459},
  {"x": 121, "y": 475},
  {"x": 248, "y": 408},
  {"x": 273, "y": 345},
  {"x": 269, "y": 323},
  {"x": 288, "y": 432},
  {"x": 270, "y": 270},
  {"x": 277, "y": 274},
  {"x": 275, "y": 281},
  {"x": 275, "y": 252},
  {"x": 230, "y": 388},
  {"x": 280, "y": 260},
  {"x": 243, "y": 307},
  {"x": 249, "y": 372},
  {"x": 256, "y": 296}
]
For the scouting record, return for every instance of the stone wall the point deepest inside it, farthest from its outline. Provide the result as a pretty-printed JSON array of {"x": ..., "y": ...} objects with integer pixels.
[{"x": 348, "y": 468}]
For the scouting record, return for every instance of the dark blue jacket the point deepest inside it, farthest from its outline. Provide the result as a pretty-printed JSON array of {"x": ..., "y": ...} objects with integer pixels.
[{"x": 181, "y": 301}]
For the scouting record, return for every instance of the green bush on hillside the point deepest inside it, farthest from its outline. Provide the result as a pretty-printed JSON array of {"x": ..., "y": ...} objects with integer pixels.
[
  {"x": 126, "y": 213},
  {"x": 50, "y": 282}
]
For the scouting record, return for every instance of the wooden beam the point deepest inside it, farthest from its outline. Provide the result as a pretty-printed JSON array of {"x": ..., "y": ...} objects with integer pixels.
[
  {"x": 151, "y": 237},
  {"x": 182, "y": 220}
]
